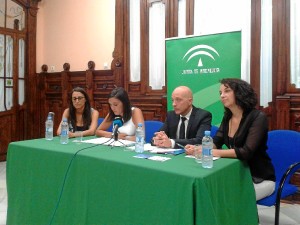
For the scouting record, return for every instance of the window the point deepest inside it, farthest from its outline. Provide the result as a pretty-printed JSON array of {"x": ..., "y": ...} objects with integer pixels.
[
  {"x": 12, "y": 44},
  {"x": 295, "y": 42}
]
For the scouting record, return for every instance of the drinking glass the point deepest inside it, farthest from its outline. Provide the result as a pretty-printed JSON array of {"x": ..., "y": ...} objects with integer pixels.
[
  {"x": 78, "y": 137},
  {"x": 198, "y": 153}
]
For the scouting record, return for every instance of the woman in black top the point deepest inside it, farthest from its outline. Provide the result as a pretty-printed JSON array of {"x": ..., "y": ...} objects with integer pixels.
[
  {"x": 81, "y": 116},
  {"x": 244, "y": 130}
]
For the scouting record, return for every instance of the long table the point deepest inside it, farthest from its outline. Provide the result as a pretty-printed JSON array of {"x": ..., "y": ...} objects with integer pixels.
[{"x": 50, "y": 183}]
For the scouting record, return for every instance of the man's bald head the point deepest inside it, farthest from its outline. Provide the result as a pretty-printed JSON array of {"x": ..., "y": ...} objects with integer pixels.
[
  {"x": 182, "y": 98},
  {"x": 184, "y": 91}
]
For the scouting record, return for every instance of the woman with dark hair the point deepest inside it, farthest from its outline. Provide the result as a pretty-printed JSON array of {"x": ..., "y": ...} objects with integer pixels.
[
  {"x": 244, "y": 130},
  {"x": 80, "y": 115},
  {"x": 119, "y": 106}
]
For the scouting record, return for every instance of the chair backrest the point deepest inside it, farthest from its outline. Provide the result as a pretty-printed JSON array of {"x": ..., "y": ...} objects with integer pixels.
[
  {"x": 151, "y": 126},
  {"x": 100, "y": 120},
  {"x": 284, "y": 150},
  {"x": 213, "y": 130}
]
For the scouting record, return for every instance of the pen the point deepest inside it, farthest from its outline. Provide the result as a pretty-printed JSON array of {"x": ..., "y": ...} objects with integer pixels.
[
  {"x": 164, "y": 153},
  {"x": 180, "y": 145}
]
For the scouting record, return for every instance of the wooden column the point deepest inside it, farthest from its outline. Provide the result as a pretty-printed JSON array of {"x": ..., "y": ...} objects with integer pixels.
[
  {"x": 89, "y": 77},
  {"x": 31, "y": 117},
  {"x": 65, "y": 85}
]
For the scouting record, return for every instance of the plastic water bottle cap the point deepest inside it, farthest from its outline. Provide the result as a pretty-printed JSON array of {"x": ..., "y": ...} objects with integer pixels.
[
  {"x": 49, "y": 118},
  {"x": 65, "y": 120},
  {"x": 140, "y": 124},
  {"x": 207, "y": 133}
]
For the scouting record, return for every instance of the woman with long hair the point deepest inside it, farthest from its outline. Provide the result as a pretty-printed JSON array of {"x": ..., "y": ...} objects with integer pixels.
[
  {"x": 120, "y": 107},
  {"x": 81, "y": 116},
  {"x": 244, "y": 131}
]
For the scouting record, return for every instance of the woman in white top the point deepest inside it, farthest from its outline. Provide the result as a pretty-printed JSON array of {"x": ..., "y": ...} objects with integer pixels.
[{"x": 119, "y": 106}]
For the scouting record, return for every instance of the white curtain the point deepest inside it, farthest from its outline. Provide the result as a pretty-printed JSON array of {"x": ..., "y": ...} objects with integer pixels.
[
  {"x": 2, "y": 73},
  {"x": 266, "y": 53},
  {"x": 295, "y": 42},
  {"x": 157, "y": 46},
  {"x": 21, "y": 71},
  {"x": 9, "y": 72},
  {"x": 135, "y": 46},
  {"x": 216, "y": 16}
]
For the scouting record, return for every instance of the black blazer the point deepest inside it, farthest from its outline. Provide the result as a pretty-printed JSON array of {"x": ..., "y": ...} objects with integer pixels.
[
  {"x": 200, "y": 121},
  {"x": 250, "y": 142}
]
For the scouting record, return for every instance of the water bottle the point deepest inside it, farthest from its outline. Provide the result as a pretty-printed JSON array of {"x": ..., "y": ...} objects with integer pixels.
[
  {"x": 49, "y": 129},
  {"x": 51, "y": 114},
  {"x": 207, "y": 145},
  {"x": 64, "y": 138},
  {"x": 139, "y": 138}
]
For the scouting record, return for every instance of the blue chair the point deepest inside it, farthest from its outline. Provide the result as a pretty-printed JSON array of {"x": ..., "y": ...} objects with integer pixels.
[
  {"x": 100, "y": 120},
  {"x": 151, "y": 126},
  {"x": 213, "y": 130},
  {"x": 283, "y": 148}
]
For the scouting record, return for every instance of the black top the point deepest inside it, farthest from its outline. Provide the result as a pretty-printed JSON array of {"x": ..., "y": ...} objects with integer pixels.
[
  {"x": 249, "y": 143},
  {"x": 80, "y": 128},
  {"x": 77, "y": 128}
]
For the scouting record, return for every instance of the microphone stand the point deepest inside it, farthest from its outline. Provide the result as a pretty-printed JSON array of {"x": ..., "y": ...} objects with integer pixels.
[{"x": 116, "y": 139}]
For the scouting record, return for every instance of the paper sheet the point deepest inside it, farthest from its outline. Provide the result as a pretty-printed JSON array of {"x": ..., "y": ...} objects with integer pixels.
[
  {"x": 154, "y": 149},
  {"x": 129, "y": 144},
  {"x": 110, "y": 141},
  {"x": 191, "y": 156}
]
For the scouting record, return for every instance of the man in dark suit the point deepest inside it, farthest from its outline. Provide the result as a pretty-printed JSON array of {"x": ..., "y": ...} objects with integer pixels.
[{"x": 185, "y": 124}]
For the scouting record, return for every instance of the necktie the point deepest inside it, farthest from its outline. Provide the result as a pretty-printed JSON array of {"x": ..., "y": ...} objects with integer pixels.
[{"x": 182, "y": 128}]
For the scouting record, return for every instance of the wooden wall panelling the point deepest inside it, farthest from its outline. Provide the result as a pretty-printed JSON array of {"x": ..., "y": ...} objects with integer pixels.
[
  {"x": 50, "y": 100},
  {"x": 268, "y": 112},
  {"x": 295, "y": 113},
  {"x": 103, "y": 83},
  {"x": 21, "y": 123},
  {"x": 55, "y": 89},
  {"x": 283, "y": 112},
  {"x": 6, "y": 132},
  {"x": 295, "y": 119},
  {"x": 65, "y": 87},
  {"x": 152, "y": 107}
]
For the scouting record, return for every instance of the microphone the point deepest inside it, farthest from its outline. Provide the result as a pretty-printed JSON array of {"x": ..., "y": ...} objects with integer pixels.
[{"x": 117, "y": 123}]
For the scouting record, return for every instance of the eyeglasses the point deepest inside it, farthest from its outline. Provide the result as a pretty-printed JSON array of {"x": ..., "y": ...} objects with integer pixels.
[{"x": 78, "y": 98}]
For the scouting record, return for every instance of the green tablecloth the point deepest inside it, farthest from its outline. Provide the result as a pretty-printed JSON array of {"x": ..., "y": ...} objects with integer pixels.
[{"x": 109, "y": 186}]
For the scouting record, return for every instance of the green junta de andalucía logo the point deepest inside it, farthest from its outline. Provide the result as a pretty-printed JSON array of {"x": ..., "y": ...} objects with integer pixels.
[{"x": 201, "y": 50}]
